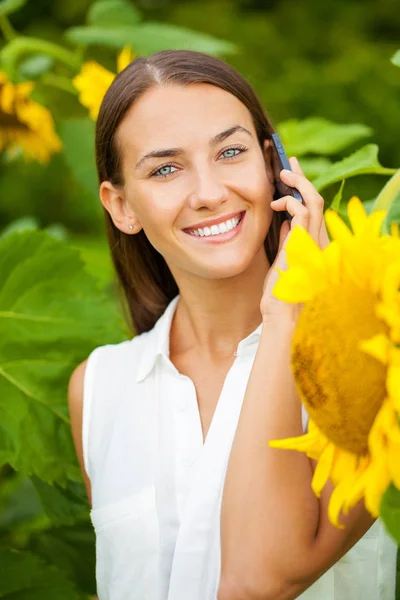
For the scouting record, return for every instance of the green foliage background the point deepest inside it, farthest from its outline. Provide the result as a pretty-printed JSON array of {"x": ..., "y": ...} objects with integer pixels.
[{"x": 324, "y": 74}]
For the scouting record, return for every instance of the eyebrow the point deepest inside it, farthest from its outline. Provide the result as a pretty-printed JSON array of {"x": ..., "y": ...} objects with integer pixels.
[{"x": 220, "y": 137}]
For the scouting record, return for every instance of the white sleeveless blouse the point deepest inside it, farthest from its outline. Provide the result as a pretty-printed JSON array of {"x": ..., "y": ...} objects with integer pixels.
[{"x": 157, "y": 490}]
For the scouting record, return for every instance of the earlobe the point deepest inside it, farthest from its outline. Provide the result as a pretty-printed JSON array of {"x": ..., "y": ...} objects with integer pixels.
[{"x": 112, "y": 198}]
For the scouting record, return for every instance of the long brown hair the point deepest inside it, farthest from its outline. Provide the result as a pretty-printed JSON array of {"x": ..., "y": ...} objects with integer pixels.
[{"x": 146, "y": 281}]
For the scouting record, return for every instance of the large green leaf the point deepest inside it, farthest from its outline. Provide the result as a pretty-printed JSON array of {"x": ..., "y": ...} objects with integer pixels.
[
  {"x": 150, "y": 37},
  {"x": 77, "y": 136},
  {"x": 108, "y": 13},
  {"x": 72, "y": 550},
  {"x": 64, "y": 506},
  {"x": 312, "y": 167},
  {"x": 319, "y": 136},
  {"x": 390, "y": 511},
  {"x": 363, "y": 161},
  {"x": 24, "y": 576},
  {"x": 52, "y": 314}
]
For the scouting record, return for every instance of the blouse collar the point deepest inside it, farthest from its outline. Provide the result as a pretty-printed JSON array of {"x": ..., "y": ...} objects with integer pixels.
[{"x": 157, "y": 342}]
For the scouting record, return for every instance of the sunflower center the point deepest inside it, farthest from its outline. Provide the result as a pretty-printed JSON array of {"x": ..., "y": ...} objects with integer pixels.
[
  {"x": 11, "y": 122},
  {"x": 341, "y": 386}
]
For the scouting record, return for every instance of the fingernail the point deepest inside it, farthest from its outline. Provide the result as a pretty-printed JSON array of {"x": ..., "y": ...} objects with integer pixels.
[{"x": 286, "y": 172}]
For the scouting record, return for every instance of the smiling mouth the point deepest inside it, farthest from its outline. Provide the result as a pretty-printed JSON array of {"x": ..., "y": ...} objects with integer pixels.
[{"x": 216, "y": 231}]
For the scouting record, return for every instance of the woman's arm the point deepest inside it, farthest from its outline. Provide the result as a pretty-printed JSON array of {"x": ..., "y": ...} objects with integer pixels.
[
  {"x": 275, "y": 534},
  {"x": 75, "y": 406}
]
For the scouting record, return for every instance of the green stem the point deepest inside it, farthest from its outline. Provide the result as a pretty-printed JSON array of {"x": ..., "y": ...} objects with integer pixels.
[
  {"x": 18, "y": 47},
  {"x": 60, "y": 82},
  {"x": 7, "y": 29}
]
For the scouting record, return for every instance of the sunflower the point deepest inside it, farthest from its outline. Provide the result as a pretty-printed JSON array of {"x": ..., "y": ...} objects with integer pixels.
[
  {"x": 94, "y": 80},
  {"x": 345, "y": 356},
  {"x": 25, "y": 124}
]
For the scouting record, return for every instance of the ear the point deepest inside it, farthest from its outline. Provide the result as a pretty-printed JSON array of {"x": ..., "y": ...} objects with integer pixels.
[{"x": 113, "y": 200}]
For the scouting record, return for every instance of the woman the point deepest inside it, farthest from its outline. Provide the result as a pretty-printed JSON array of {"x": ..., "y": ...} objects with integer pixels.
[{"x": 172, "y": 427}]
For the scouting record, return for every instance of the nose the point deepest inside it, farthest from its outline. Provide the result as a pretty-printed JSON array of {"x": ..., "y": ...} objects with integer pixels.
[{"x": 208, "y": 190}]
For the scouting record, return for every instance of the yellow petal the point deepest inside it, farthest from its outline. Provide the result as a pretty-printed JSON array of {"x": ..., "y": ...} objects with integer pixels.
[
  {"x": 338, "y": 499},
  {"x": 377, "y": 483},
  {"x": 345, "y": 463},
  {"x": 302, "y": 251},
  {"x": 125, "y": 57},
  {"x": 323, "y": 469},
  {"x": 25, "y": 89},
  {"x": 358, "y": 489},
  {"x": 374, "y": 224},
  {"x": 393, "y": 452},
  {"x": 333, "y": 262},
  {"x": 337, "y": 228},
  {"x": 393, "y": 386},
  {"x": 301, "y": 443},
  {"x": 377, "y": 347},
  {"x": 295, "y": 285},
  {"x": 357, "y": 215}
]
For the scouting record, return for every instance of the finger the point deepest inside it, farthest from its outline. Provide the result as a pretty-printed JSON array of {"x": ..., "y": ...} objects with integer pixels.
[
  {"x": 311, "y": 197},
  {"x": 299, "y": 212},
  {"x": 324, "y": 240},
  {"x": 295, "y": 165}
]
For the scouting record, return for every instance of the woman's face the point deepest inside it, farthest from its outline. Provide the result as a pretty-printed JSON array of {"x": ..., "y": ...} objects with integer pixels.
[{"x": 205, "y": 163}]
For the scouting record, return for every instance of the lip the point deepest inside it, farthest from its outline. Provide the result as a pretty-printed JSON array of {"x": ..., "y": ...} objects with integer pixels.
[
  {"x": 221, "y": 237},
  {"x": 216, "y": 221}
]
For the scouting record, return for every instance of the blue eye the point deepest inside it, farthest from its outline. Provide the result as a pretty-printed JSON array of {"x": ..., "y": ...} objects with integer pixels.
[
  {"x": 163, "y": 171},
  {"x": 233, "y": 151}
]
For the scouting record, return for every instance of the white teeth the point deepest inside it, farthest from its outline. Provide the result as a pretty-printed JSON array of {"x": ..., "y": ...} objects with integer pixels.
[{"x": 216, "y": 229}]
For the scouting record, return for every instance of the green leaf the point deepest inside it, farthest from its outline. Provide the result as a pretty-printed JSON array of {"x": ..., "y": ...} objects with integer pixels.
[
  {"x": 364, "y": 160},
  {"x": 150, "y": 37},
  {"x": 312, "y": 167},
  {"x": 396, "y": 58},
  {"x": 389, "y": 199},
  {"x": 389, "y": 193},
  {"x": 64, "y": 506},
  {"x": 7, "y": 7},
  {"x": 24, "y": 576},
  {"x": 77, "y": 136},
  {"x": 108, "y": 13},
  {"x": 52, "y": 314},
  {"x": 319, "y": 136},
  {"x": 338, "y": 198},
  {"x": 19, "y": 502},
  {"x": 36, "y": 65},
  {"x": 21, "y": 224},
  {"x": 390, "y": 511},
  {"x": 72, "y": 550}
]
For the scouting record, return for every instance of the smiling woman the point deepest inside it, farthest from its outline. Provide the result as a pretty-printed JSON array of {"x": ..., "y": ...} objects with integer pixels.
[
  {"x": 186, "y": 86},
  {"x": 172, "y": 427}
]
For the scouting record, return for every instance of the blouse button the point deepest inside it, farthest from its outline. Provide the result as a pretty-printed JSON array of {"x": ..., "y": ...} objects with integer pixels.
[{"x": 188, "y": 462}]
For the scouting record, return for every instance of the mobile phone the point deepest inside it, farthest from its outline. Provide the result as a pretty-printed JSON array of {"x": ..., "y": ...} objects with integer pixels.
[{"x": 283, "y": 189}]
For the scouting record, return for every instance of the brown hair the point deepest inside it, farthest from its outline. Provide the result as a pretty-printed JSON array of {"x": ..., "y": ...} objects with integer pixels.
[{"x": 147, "y": 283}]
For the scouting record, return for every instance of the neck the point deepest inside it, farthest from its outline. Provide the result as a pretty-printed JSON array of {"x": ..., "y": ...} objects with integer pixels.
[{"x": 214, "y": 315}]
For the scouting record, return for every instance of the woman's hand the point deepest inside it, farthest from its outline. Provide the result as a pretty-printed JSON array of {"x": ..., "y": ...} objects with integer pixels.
[{"x": 311, "y": 216}]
